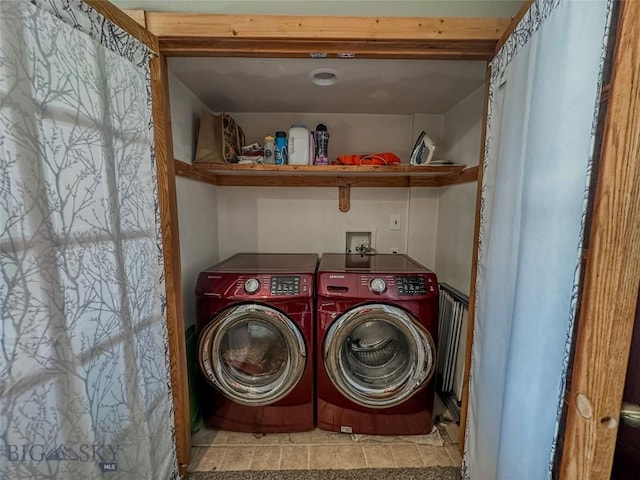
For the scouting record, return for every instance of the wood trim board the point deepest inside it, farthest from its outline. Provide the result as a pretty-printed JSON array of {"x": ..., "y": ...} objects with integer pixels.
[
  {"x": 513, "y": 24},
  {"x": 313, "y": 27},
  {"x": 187, "y": 34},
  {"x": 588, "y": 441},
  {"x": 464, "y": 408},
  {"x": 412, "y": 50},
  {"x": 612, "y": 274},
  {"x": 315, "y": 176},
  {"x": 468, "y": 175},
  {"x": 185, "y": 169},
  {"x": 133, "y": 27},
  {"x": 172, "y": 266},
  {"x": 344, "y": 198},
  {"x": 258, "y": 168},
  {"x": 138, "y": 16}
]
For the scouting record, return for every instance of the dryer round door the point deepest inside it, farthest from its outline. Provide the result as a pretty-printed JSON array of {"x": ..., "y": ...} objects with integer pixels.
[
  {"x": 378, "y": 355},
  {"x": 254, "y": 354}
]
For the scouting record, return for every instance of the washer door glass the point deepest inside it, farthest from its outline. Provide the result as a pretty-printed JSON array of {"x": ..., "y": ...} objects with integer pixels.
[
  {"x": 253, "y": 354},
  {"x": 378, "y": 355}
]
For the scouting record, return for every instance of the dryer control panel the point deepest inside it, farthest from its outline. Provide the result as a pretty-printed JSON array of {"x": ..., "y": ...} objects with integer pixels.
[
  {"x": 254, "y": 286},
  {"x": 289, "y": 285},
  {"x": 413, "y": 285},
  {"x": 378, "y": 286}
]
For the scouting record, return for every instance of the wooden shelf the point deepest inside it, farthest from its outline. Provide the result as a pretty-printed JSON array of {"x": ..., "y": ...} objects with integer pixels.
[{"x": 228, "y": 174}]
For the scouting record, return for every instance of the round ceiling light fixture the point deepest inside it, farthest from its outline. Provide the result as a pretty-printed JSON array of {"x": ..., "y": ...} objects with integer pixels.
[{"x": 324, "y": 76}]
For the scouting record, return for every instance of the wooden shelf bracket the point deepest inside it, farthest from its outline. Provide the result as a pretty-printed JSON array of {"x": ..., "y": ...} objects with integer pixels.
[{"x": 344, "y": 198}]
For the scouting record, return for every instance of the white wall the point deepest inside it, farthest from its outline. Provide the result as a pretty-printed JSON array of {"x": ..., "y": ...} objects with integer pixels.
[
  {"x": 197, "y": 201},
  {"x": 307, "y": 219},
  {"x": 423, "y": 221},
  {"x": 456, "y": 204},
  {"x": 436, "y": 224},
  {"x": 348, "y": 133}
]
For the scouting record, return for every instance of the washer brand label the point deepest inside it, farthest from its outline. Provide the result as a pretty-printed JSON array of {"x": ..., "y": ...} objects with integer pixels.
[
  {"x": 346, "y": 429},
  {"x": 336, "y": 276}
]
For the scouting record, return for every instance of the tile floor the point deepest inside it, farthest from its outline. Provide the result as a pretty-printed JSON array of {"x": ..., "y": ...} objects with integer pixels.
[{"x": 231, "y": 451}]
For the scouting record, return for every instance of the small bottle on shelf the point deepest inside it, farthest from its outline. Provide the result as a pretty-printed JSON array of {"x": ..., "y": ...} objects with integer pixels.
[
  {"x": 269, "y": 149},
  {"x": 281, "y": 148},
  {"x": 321, "y": 137}
]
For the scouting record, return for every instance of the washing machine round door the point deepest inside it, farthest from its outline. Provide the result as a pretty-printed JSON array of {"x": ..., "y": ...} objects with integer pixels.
[
  {"x": 378, "y": 355},
  {"x": 254, "y": 354}
]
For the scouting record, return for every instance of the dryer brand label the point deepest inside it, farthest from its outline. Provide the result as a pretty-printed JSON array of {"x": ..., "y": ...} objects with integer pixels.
[
  {"x": 346, "y": 429},
  {"x": 336, "y": 276}
]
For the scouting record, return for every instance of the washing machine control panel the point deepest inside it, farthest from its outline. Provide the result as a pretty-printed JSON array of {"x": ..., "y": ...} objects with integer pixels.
[
  {"x": 413, "y": 285},
  {"x": 285, "y": 285}
]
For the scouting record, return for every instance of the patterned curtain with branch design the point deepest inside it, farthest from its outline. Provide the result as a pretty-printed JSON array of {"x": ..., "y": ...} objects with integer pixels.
[
  {"x": 84, "y": 384},
  {"x": 542, "y": 116}
]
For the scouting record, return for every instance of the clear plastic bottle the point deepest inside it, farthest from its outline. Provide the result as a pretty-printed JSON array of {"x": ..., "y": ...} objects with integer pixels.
[
  {"x": 269, "y": 149},
  {"x": 321, "y": 137}
]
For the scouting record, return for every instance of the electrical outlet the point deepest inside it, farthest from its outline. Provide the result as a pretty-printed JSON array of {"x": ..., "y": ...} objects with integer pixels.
[
  {"x": 394, "y": 222},
  {"x": 395, "y": 250}
]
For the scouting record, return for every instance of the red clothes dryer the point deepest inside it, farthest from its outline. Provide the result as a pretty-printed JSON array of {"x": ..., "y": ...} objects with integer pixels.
[
  {"x": 255, "y": 328},
  {"x": 377, "y": 324}
]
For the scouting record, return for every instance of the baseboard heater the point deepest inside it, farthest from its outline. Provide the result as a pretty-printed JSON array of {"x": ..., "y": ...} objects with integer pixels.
[{"x": 452, "y": 336}]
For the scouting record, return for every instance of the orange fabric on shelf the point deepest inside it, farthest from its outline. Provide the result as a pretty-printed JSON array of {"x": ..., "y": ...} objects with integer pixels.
[{"x": 385, "y": 158}]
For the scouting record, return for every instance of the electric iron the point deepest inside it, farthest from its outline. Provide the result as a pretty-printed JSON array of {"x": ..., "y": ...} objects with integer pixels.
[{"x": 423, "y": 150}]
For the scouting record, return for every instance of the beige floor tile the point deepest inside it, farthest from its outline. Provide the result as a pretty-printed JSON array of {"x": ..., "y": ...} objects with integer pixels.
[
  {"x": 453, "y": 430},
  {"x": 211, "y": 459},
  {"x": 315, "y": 437},
  {"x": 294, "y": 457},
  {"x": 274, "y": 439},
  {"x": 406, "y": 455},
  {"x": 378, "y": 456},
  {"x": 350, "y": 456},
  {"x": 196, "y": 455},
  {"x": 240, "y": 438},
  {"x": 322, "y": 457},
  {"x": 444, "y": 435},
  {"x": 340, "y": 438},
  {"x": 237, "y": 458},
  {"x": 208, "y": 436},
  {"x": 454, "y": 454},
  {"x": 266, "y": 458},
  {"x": 434, "y": 456}
]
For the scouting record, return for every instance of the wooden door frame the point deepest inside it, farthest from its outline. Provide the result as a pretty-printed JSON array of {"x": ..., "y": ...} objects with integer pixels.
[
  {"x": 613, "y": 260},
  {"x": 172, "y": 263},
  {"x": 612, "y": 273},
  {"x": 189, "y": 34},
  {"x": 245, "y": 35}
]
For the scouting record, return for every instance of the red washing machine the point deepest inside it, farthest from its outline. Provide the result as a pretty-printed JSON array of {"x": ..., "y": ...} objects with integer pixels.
[
  {"x": 377, "y": 325},
  {"x": 255, "y": 328}
]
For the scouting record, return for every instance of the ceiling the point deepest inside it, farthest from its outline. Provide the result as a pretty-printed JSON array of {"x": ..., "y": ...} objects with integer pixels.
[
  {"x": 396, "y": 8},
  {"x": 364, "y": 85},
  {"x": 383, "y": 86}
]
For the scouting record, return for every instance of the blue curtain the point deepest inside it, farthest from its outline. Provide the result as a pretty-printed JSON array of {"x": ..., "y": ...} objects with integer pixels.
[
  {"x": 84, "y": 384},
  {"x": 542, "y": 111}
]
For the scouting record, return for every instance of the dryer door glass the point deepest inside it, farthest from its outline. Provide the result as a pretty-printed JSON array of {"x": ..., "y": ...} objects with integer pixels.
[
  {"x": 378, "y": 355},
  {"x": 253, "y": 354}
]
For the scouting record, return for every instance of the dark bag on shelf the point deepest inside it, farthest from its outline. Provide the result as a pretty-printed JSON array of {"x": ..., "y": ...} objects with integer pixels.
[{"x": 220, "y": 139}]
